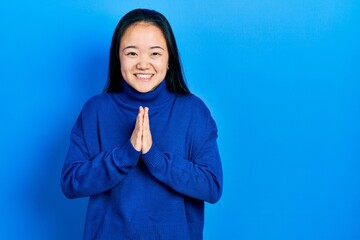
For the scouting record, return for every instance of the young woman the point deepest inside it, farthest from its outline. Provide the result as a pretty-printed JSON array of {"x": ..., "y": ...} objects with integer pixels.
[{"x": 145, "y": 150}]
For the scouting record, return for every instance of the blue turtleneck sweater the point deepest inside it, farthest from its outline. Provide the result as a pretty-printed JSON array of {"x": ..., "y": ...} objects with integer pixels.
[{"x": 157, "y": 195}]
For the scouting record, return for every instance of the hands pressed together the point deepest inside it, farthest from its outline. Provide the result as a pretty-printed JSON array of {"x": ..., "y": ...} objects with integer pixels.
[{"x": 141, "y": 137}]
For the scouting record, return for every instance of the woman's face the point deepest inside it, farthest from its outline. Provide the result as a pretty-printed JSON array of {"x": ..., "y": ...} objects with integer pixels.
[{"x": 144, "y": 56}]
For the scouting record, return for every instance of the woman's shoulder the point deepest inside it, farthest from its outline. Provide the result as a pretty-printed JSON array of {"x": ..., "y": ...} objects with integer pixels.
[
  {"x": 190, "y": 99},
  {"x": 98, "y": 101},
  {"x": 195, "y": 109},
  {"x": 193, "y": 103}
]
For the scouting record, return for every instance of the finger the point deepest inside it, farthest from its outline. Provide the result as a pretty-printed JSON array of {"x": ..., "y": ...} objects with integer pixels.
[
  {"x": 137, "y": 120},
  {"x": 137, "y": 132},
  {"x": 141, "y": 118},
  {"x": 146, "y": 119},
  {"x": 146, "y": 111},
  {"x": 141, "y": 110},
  {"x": 147, "y": 139}
]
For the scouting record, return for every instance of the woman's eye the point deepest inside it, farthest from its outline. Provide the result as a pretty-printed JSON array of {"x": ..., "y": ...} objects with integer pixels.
[
  {"x": 131, "y": 54},
  {"x": 156, "y": 54}
]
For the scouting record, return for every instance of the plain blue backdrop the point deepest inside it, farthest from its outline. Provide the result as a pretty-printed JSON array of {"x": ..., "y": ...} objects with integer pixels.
[{"x": 281, "y": 78}]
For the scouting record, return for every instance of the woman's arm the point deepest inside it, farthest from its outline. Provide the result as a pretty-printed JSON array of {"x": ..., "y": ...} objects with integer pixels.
[
  {"x": 200, "y": 177},
  {"x": 83, "y": 175}
]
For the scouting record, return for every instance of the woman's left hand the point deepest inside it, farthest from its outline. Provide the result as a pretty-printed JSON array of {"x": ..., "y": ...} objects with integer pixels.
[{"x": 146, "y": 135}]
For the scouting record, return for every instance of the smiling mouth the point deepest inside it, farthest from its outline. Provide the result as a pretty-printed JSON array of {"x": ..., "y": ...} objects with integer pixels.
[{"x": 144, "y": 76}]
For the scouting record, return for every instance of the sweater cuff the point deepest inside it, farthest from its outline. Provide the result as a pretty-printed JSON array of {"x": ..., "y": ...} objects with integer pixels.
[
  {"x": 127, "y": 154},
  {"x": 154, "y": 158}
]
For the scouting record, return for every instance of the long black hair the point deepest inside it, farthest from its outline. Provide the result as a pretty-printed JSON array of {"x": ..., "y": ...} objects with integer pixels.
[{"x": 174, "y": 78}]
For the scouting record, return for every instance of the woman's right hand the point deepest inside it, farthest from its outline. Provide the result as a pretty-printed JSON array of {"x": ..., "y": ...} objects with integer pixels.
[{"x": 136, "y": 137}]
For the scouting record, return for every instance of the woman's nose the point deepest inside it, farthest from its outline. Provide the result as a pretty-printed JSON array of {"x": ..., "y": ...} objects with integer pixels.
[{"x": 143, "y": 63}]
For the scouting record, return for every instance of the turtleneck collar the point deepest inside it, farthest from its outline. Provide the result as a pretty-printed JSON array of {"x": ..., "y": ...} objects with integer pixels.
[{"x": 132, "y": 97}]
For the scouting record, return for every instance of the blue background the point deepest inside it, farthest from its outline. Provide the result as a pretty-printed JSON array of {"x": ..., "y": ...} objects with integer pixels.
[{"x": 281, "y": 78}]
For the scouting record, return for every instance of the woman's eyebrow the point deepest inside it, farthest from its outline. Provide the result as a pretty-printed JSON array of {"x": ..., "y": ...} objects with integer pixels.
[
  {"x": 134, "y": 47},
  {"x": 155, "y": 47},
  {"x": 129, "y": 47}
]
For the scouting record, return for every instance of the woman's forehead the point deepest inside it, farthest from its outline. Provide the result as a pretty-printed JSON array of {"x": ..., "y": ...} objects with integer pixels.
[{"x": 143, "y": 33}]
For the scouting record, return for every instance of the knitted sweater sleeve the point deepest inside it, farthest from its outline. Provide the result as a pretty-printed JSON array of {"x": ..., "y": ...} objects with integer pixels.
[
  {"x": 199, "y": 177},
  {"x": 85, "y": 173}
]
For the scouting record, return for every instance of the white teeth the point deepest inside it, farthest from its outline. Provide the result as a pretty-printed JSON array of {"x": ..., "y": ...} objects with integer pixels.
[{"x": 144, "y": 76}]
